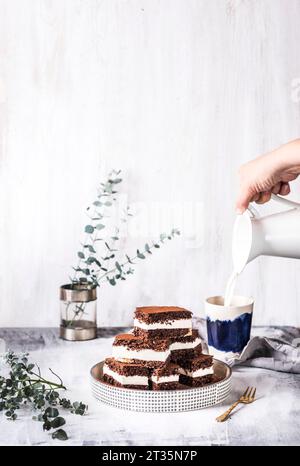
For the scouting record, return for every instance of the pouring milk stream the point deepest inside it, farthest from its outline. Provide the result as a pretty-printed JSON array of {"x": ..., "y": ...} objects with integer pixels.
[{"x": 272, "y": 235}]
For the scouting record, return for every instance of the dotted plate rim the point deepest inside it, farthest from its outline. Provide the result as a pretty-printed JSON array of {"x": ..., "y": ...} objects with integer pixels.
[{"x": 179, "y": 400}]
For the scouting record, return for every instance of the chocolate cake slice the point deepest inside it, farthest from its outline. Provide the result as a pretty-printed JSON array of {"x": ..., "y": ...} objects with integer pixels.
[
  {"x": 126, "y": 375},
  {"x": 166, "y": 377},
  {"x": 187, "y": 347},
  {"x": 197, "y": 372},
  {"x": 162, "y": 322},
  {"x": 130, "y": 348}
]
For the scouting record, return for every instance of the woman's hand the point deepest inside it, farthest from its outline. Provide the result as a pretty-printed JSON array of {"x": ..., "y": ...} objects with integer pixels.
[{"x": 269, "y": 173}]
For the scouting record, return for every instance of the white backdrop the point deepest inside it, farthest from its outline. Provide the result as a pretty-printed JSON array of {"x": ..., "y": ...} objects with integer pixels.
[{"x": 176, "y": 93}]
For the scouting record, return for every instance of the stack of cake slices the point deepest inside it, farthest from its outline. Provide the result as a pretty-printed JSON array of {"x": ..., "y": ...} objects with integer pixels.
[{"x": 162, "y": 352}]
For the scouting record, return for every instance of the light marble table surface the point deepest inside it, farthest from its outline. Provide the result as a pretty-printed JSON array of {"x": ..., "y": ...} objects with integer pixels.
[{"x": 274, "y": 419}]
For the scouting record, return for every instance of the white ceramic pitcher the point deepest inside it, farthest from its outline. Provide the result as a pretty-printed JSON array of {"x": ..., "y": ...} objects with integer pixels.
[{"x": 272, "y": 235}]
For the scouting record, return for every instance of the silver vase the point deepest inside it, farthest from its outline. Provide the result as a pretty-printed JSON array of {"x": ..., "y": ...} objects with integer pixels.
[{"x": 78, "y": 312}]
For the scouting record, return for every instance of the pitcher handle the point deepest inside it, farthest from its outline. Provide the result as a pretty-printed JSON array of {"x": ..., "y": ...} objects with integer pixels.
[
  {"x": 253, "y": 212},
  {"x": 284, "y": 201}
]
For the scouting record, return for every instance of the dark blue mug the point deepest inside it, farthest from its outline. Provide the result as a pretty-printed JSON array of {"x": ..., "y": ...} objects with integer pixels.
[{"x": 228, "y": 327}]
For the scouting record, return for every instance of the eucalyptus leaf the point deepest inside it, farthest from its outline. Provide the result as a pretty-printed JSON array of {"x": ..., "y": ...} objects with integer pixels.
[
  {"x": 147, "y": 248},
  {"x": 60, "y": 434},
  {"x": 90, "y": 260},
  {"x": 47, "y": 425},
  {"x": 89, "y": 229},
  {"x": 128, "y": 258},
  {"x": 140, "y": 255},
  {"x": 175, "y": 231},
  {"x": 112, "y": 281},
  {"x": 118, "y": 267},
  {"x": 57, "y": 422},
  {"x": 51, "y": 412}
]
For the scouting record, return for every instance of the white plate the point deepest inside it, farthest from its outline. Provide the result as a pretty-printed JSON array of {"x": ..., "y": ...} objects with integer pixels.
[{"x": 187, "y": 399}]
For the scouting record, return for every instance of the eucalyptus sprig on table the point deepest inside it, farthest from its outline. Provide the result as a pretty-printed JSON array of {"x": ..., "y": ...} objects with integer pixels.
[{"x": 25, "y": 386}]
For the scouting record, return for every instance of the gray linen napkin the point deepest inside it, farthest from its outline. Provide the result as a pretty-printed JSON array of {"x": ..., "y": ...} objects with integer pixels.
[{"x": 275, "y": 348}]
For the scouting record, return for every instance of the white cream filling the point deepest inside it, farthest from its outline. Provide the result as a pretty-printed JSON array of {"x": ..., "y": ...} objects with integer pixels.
[
  {"x": 186, "y": 345},
  {"x": 168, "y": 325},
  {"x": 126, "y": 380},
  {"x": 122, "y": 352},
  {"x": 198, "y": 372},
  {"x": 167, "y": 378}
]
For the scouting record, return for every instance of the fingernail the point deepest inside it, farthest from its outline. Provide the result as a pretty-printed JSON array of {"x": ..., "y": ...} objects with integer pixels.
[{"x": 239, "y": 211}]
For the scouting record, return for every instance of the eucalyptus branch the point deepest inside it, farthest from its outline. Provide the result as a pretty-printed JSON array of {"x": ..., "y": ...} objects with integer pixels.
[
  {"x": 56, "y": 375},
  {"x": 93, "y": 268},
  {"x": 19, "y": 389},
  {"x": 92, "y": 230},
  {"x": 46, "y": 382},
  {"x": 119, "y": 268},
  {"x": 116, "y": 238}
]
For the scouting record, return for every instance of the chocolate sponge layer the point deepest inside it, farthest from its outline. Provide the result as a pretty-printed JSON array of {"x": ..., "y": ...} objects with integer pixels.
[
  {"x": 197, "y": 381},
  {"x": 180, "y": 356},
  {"x": 127, "y": 369},
  {"x": 153, "y": 314},
  {"x": 166, "y": 369},
  {"x": 202, "y": 361},
  {"x": 136, "y": 343},
  {"x": 187, "y": 338},
  {"x": 166, "y": 386},
  {"x": 160, "y": 334}
]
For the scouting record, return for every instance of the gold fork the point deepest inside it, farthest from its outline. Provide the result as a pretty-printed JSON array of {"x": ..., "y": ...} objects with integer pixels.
[{"x": 246, "y": 398}]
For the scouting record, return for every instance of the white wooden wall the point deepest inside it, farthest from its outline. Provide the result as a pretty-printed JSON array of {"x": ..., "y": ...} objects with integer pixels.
[{"x": 176, "y": 93}]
